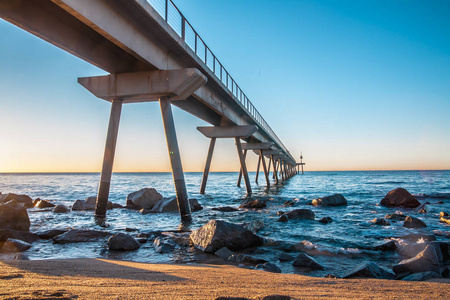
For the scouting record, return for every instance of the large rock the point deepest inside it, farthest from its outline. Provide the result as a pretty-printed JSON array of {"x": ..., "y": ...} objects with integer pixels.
[
  {"x": 385, "y": 246},
  {"x": 171, "y": 205},
  {"x": 400, "y": 197},
  {"x": 427, "y": 260},
  {"x": 269, "y": 267},
  {"x": 146, "y": 198},
  {"x": 13, "y": 245},
  {"x": 333, "y": 200},
  {"x": 122, "y": 242},
  {"x": 14, "y": 215},
  {"x": 253, "y": 204},
  {"x": 60, "y": 209},
  {"x": 224, "y": 253},
  {"x": 43, "y": 204},
  {"x": 368, "y": 270},
  {"x": 225, "y": 209},
  {"x": 23, "y": 199},
  {"x": 411, "y": 222},
  {"x": 381, "y": 222},
  {"x": 301, "y": 214},
  {"x": 25, "y": 236},
  {"x": 305, "y": 261},
  {"x": 163, "y": 245},
  {"x": 87, "y": 204},
  {"x": 395, "y": 217},
  {"x": 50, "y": 233},
  {"x": 80, "y": 236},
  {"x": 217, "y": 234}
]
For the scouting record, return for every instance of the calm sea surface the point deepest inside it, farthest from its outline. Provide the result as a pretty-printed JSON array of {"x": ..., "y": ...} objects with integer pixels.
[{"x": 338, "y": 246}]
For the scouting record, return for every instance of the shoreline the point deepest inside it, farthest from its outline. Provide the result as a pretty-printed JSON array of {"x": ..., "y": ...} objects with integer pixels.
[{"x": 118, "y": 279}]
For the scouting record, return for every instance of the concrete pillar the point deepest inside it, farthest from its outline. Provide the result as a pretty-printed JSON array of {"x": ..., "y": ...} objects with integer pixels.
[
  {"x": 243, "y": 166},
  {"x": 108, "y": 159},
  {"x": 207, "y": 165},
  {"x": 240, "y": 171},
  {"x": 266, "y": 173},
  {"x": 274, "y": 169},
  {"x": 175, "y": 160},
  {"x": 257, "y": 169}
]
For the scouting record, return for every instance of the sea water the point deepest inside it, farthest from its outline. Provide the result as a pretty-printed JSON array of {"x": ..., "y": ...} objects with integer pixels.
[{"x": 339, "y": 246}]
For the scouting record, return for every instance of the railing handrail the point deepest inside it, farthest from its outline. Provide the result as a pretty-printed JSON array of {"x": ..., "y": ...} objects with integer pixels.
[{"x": 235, "y": 90}]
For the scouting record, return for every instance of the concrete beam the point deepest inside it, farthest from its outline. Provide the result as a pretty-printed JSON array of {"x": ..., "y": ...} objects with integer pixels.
[
  {"x": 243, "y": 131},
  {"x": 257, "y": 146},
  {"x": 145, "y": 86}
]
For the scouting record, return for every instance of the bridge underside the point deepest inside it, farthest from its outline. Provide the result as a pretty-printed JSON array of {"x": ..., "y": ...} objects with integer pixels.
[{"x": 129, "y": 36}]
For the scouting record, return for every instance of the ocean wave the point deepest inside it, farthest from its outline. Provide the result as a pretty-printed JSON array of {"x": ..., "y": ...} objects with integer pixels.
[{"x": 316, "y": 249}]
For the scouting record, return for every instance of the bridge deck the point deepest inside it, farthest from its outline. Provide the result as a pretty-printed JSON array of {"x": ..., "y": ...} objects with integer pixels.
[{"x": 138, "y": 35}]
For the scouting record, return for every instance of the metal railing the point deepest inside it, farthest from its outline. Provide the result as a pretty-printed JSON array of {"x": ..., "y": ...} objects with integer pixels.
[{"x": 176, "y": 20}]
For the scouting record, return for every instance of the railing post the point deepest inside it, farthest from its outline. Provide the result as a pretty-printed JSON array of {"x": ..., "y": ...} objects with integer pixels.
[
  {"x": 183, "y": 28},
  {"x": 166, "y": 15}
]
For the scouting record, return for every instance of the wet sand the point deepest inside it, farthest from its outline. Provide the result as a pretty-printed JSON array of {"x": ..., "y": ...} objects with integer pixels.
[{"x": 111, "y": 279}]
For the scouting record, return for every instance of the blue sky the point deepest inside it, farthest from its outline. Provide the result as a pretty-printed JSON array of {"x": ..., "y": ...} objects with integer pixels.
[{"x": 355, "y": 85}]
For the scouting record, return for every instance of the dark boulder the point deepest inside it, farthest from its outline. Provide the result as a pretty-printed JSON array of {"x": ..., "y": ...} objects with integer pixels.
[
  {"x": 300, "y": 214},
  {"x": 326, "y": 220},
  {"x": 333, "y": 200},
  {"x": 421, "y": 208},
  {"x": 80, "y": 236},
  {"x": 395, "y": 217},
  {"x": 171, "y": 205},
  {"x": 269, "y": 267},
  {"x": 289, "y": 203},
  {"x": 381, "y": 222},
  {"x": 23, "y": 199},
  {"x": 285, "y": 257},
  {"x": 217, "y": 234},
  {"x": 44, "y": 204},
  {"x": 427, "y": 260},
  {"x": 88, "y": 204},
  {"x": 145, "y": 198},
  {"x": 241, "y": 258},
  {"x": 122, "y": 242},
  {"x": 411, "y": 222},
  {"x": 255, "y": 225},
  {"x": 225, "y": 209},
  {"x": 14, "y": 215},
  {"x": 283, "y": 218},
  {"x": 385, "y": 246},
  {"x": 25, "y": 236},
  {"x": 163, "y": 245},
  {"x": 368, "y": 270},
  {"x": 253, "y": 204},
  {"x": 60, "y": 209},
  {"x": 305, "y": 261},
  {"x": 51, "y": 233},
  {"x": 422, "y": 276},
  {"x": 224, "y": 253},
  {"x": 400, "y": 197},
  {"x": 13, "y": 245}
]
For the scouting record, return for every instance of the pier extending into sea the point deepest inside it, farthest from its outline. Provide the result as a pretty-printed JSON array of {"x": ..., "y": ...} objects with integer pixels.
[{"x": 153, "y": 54}]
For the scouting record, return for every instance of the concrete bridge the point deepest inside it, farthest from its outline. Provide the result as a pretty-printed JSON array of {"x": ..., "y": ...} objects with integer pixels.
[{"x": 154, "y": 54}]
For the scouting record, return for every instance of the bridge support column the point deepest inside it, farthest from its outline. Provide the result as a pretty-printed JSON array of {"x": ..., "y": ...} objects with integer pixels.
[
  {"x": 257, "y": 169},
  {"x": 175, "y": 160},
  {"x": 212, "y": 143},
  {"x": 108, "y": 159},
  {"x": 238, "y": 133},
  {"x": 266, "y": 173},
  {"x": 240, "y": 171},
  {"x": 243, "y": 165},
  {"x": 144, "y": 87},
  {"x": 274, "y": 169}
]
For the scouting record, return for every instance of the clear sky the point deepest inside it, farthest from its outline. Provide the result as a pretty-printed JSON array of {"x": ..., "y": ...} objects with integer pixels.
[{"x": 354, "y": 85}]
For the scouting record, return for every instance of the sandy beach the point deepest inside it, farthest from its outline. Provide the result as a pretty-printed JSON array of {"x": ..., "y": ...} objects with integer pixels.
[{"x": 110, "y": 279}]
